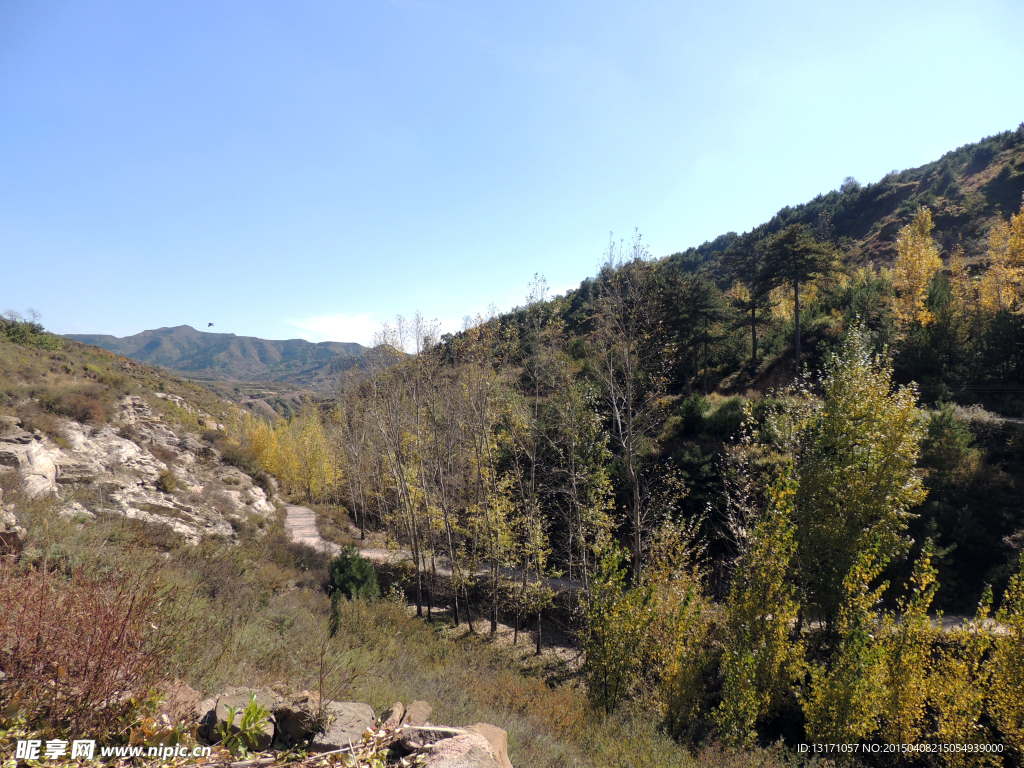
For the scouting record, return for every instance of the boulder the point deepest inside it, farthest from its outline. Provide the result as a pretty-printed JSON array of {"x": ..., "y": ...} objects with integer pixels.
[
  {"x": 458, "y": 747},
  {"x": 297, "y": 720},
  {"x": 497, "y": 738},
  {"x": 180, "y": 701},
  {"x": 216, "y": 713},
  {"x": 12, "y": 535},
  {"x": 412, "y": 738},
  {"x": 346, "y": 723},
  {"x": 417, "y": 714},
  {"x": 37, "y": 471},
  {"x": 75, "y": 511},
  {"x": 392, "y": 717},
  {"x": 467, "y": 750}
]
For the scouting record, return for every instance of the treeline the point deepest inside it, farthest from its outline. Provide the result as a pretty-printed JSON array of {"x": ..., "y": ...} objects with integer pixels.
[{"x": 602, "y": 410}]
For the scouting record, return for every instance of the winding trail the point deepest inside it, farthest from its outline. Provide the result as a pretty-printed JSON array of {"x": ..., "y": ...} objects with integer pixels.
[{"x": 300, "y": 522}]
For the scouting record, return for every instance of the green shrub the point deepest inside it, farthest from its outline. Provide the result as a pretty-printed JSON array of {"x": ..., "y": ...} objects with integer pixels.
[
  {"x": 352, "y": 576},
  {"x": 167, "y": 482},
  {"x": 28, "y": 333}
]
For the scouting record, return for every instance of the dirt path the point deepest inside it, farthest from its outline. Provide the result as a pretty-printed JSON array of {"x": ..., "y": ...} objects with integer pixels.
[{"x": 300, "y": 522}]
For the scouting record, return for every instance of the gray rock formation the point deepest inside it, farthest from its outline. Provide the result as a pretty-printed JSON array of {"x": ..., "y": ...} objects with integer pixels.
[
  {"x": 302, "y": 720},
  {"x": 123, "y": 463},
  {"x": 347, "y": 720}
]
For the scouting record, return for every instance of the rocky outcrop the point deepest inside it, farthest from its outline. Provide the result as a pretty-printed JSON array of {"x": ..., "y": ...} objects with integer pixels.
[
  {"x": 302, "y": 720},
  {"x": 12, "y": 535},
  {"x": 124, "y": 464},
  {"x": 24, "y": 451}
]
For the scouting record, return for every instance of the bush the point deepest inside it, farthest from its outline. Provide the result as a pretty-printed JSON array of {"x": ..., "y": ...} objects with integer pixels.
[
  {"x": 80, "y": 654},
  {"x": 167, "y": 482},
  {"x": 83, "y": 405},
  {"x": 29, "y": 333},
  {"x": 352, "y": 576}
]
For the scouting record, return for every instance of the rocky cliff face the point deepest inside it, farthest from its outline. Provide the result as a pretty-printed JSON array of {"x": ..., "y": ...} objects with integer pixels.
[{"x": 139, "y": 467}]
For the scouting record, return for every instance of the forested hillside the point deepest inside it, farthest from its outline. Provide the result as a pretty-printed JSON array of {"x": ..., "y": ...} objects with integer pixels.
[{"x": 738, "y": 455}]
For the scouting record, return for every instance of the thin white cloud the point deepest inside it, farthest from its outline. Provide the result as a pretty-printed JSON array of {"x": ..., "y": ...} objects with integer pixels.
[{"x": 338, "y": 327}]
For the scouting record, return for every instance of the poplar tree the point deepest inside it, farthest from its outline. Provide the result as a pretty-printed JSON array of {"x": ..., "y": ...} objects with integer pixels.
[
  {"x": 917, "y": 261},
  {"x": 856, "y": 451},
  {"x": 760, "y": 662},
  {"x": 624, "y": 344}
]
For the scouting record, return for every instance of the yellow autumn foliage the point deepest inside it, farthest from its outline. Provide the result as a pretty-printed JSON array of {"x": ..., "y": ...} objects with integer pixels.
[
  {"x": 1002, "y": 284},
  {"x": 917, "y": 261}
]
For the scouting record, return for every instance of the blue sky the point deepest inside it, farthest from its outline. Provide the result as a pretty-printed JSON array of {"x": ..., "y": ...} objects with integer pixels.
[{"x": 312, "y": 169}]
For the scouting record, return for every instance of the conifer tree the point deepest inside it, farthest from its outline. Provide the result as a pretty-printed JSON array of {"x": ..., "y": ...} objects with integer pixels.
[{"x": 793, "y": 257}]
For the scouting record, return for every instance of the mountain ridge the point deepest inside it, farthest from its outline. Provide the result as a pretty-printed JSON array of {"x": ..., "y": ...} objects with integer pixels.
[{"x": 227, "y": 356}]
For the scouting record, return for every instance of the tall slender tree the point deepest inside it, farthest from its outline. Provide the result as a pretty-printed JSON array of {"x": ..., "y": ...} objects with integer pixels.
[
  {"x": 793, "y": 257},
  {"x": 624, "y": 344}
]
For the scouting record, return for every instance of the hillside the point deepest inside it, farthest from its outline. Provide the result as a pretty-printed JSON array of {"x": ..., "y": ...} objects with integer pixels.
[
  {"x": 225, "y": 356},
  {"x": 967, "y": 189}
]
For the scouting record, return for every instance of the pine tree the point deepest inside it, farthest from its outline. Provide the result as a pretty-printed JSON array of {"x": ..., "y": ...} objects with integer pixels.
[{"x": 793, "y": 257}]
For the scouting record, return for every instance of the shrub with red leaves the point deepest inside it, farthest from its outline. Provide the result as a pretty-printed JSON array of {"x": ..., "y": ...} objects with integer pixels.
[{"x": 80, "y": 653}]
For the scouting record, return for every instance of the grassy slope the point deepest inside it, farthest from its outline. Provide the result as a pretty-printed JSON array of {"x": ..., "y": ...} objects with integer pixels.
[{"x": 38, "y": 383}]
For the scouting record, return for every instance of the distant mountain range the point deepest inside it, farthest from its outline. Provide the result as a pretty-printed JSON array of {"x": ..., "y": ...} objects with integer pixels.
[{"x": 225, "y": 356}]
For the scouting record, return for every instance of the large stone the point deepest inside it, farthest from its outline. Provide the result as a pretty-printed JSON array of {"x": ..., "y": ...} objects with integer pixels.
[
  {"x": 412, "y": 738},
  {"x": 37, "y": 471},
  {"x": 468, "y": 750},
  {"x": 392, "y": 717},
  {"x": 418, "y": 713},
  {"x": 497, "y": 738},
  {"x": 12, "y": 535},
  {"x": 441, "y": 739},
  {"x": 297, "y": 720},
  {"x": 218, "y": 709},
  {"x": 180, "y": 701},
  {"x": 347, "y": 721}
]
